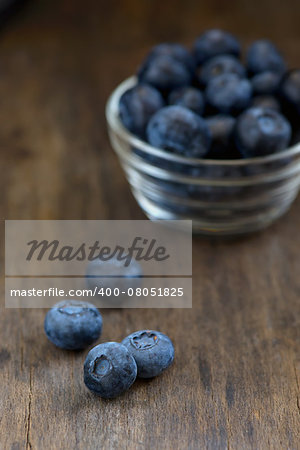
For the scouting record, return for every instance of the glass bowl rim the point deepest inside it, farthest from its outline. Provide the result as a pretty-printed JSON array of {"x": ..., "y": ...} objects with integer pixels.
[{"x": 113, "y": 119}]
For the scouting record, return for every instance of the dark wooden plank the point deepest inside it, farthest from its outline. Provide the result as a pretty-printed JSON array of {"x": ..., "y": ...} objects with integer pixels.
[{"x": 235, "y": 381}]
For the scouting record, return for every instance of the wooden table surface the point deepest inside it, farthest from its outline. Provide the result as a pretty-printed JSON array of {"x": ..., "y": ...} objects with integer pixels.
[{"x": 236, "y": 378}]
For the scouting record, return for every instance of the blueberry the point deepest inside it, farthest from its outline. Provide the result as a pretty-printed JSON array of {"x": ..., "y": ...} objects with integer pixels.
[
  {"x": 221, "y": 128},
  {"x": 209, "y": 192},
  {"x": 265, "y": 83},
  {"x": 161, "y": 163},
  {"x": 228, "y": 93},
  {"x": 217, "y": 66},
  {"x": 73, "y": 325},
  {"x": 113, "y": 267},
  {"x": 164, "y": 73},
  {"x": 261, "y": 132},
  {"x": 99, "y": 275},
  {"x": 266, "y": 101},
  {"x": 290, "y": 95},
  {"x": 179, "y": 130},
  {"x": 213, "y": 43},
  {"x": 153, "y": 352},
  {"x": 175, "y": 51},
  {"x": 188, "y": 97},
  {"x": 109, "y": 370},
  {"x": 137, "y": 105},
  {"x": 263, "y": 56}
]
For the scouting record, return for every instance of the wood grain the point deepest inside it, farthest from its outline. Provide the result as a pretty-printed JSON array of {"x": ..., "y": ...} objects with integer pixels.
[{"x": 235, "y": 383}]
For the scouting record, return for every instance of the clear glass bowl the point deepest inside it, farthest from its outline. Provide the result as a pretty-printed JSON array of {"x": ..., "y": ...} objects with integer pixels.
[{"x": 222, "y": 197}]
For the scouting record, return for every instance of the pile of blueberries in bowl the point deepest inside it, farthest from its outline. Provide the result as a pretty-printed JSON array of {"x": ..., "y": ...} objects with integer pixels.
[{"x": 207, "y": 135}]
